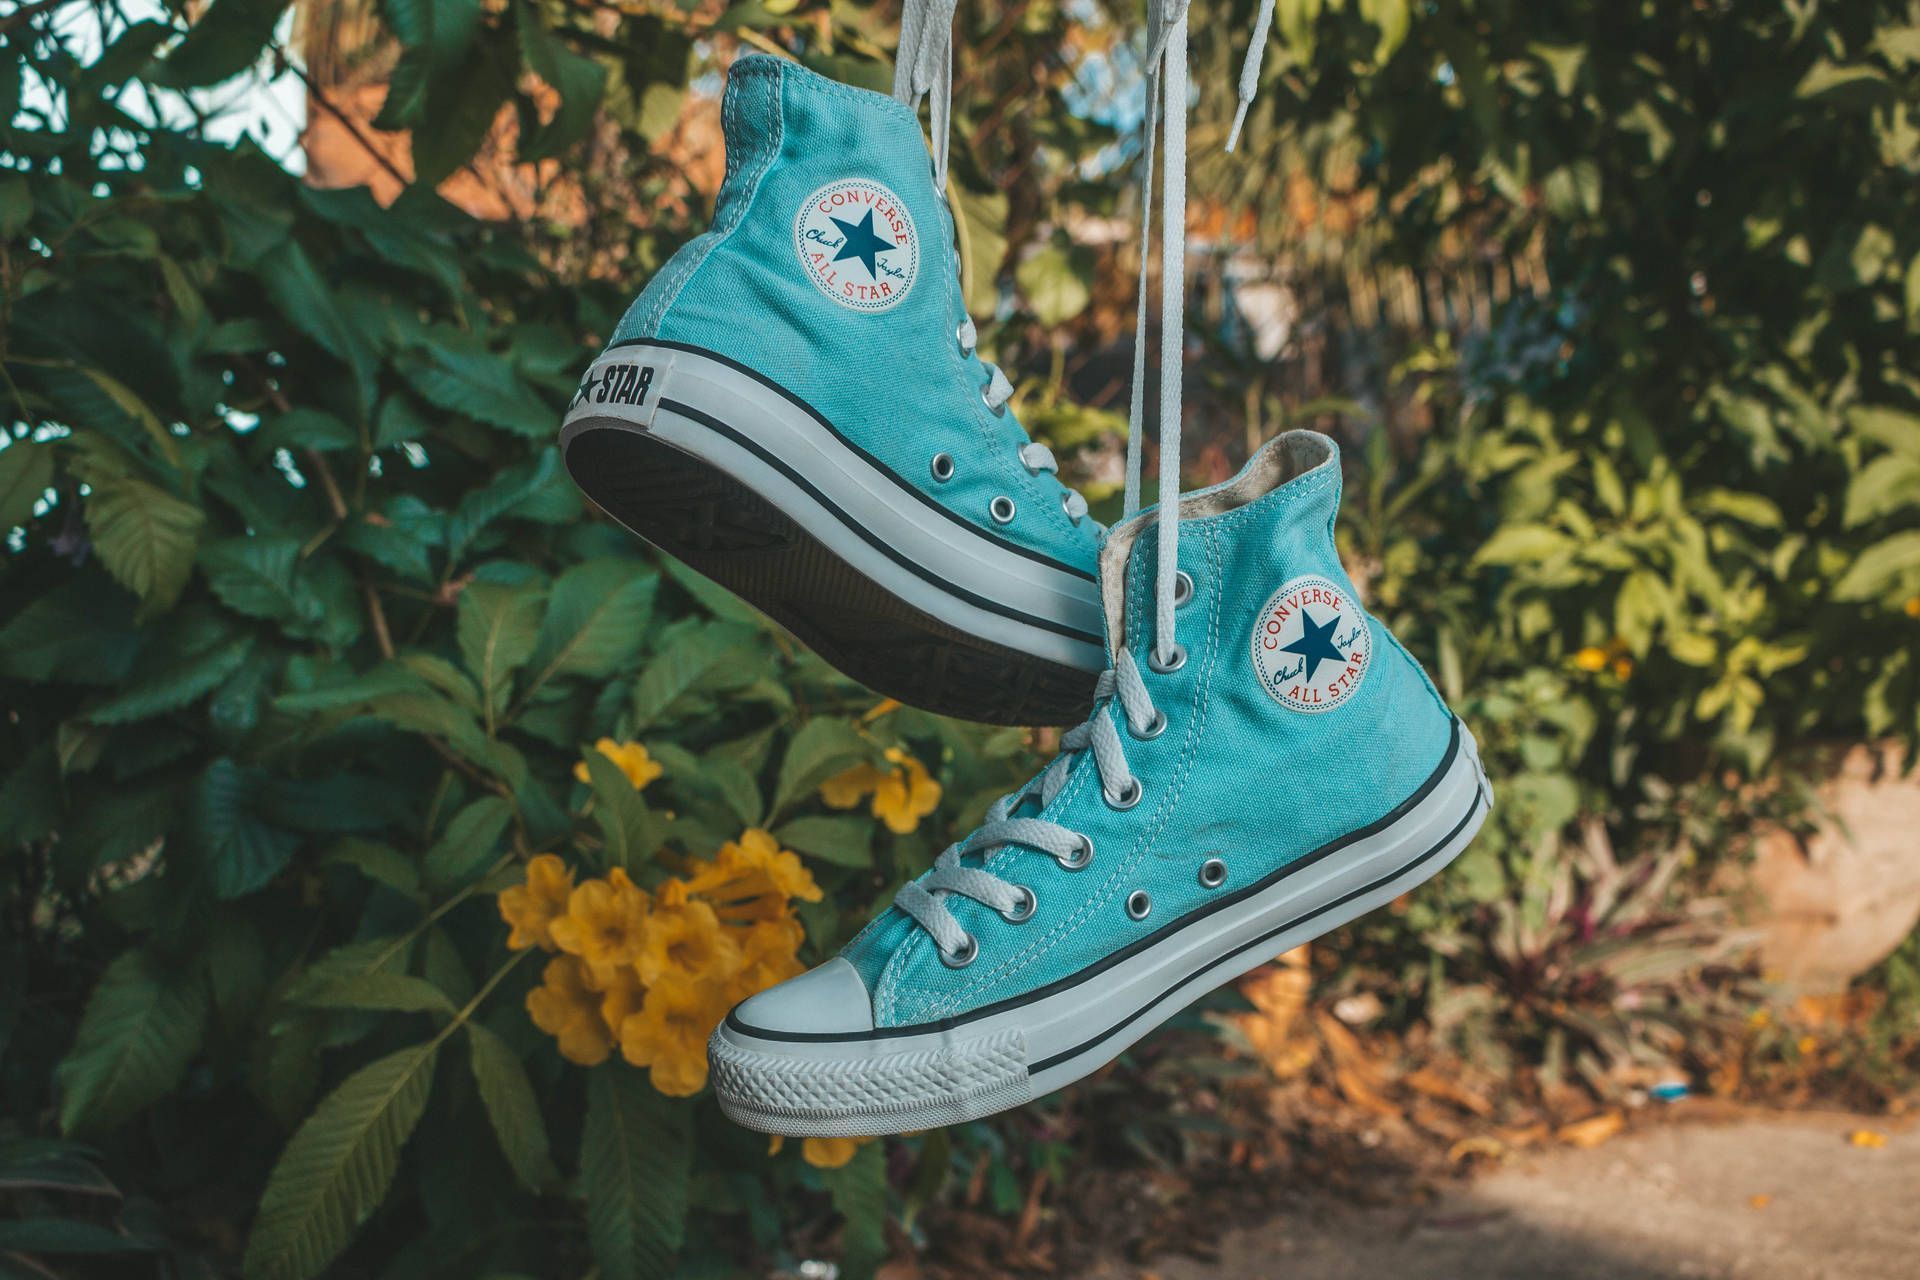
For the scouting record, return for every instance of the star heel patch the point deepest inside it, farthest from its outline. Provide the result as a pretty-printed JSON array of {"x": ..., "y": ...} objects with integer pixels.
[
  {"x": 858, "y": 244},
  {"x": 1311, "y": 645}
]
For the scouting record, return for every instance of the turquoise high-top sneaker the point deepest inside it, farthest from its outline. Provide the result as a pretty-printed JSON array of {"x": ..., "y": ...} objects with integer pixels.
[
  {"x": 795, "y": 407},
  {"x": 1267, "y": 766}
]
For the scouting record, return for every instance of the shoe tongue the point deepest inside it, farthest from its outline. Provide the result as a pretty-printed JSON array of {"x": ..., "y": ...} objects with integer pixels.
[{"x": 1285, "y": 459}]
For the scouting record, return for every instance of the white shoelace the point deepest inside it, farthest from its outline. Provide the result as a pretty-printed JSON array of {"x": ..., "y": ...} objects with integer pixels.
[{"x": 925, "y": 66}]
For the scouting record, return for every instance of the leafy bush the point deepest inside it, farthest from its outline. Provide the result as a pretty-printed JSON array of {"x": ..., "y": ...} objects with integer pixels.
[{"x": 305, "y": 636}]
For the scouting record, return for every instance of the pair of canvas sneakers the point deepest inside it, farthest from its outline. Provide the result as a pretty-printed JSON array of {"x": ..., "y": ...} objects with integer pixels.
[{"x": 795, "y": 407}]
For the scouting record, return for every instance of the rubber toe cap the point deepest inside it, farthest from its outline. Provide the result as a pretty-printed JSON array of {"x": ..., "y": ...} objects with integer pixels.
[{"x": 829, "y": 1000}]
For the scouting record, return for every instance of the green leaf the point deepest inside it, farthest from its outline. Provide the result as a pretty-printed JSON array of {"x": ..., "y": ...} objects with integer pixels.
[
  {"x": 81, "y": 631},
  {"x": 1523, "y": 544},
  {"x": 143, "y": 1024},
  {"x": 1054, "y": 281},
  {"x": 264, "y": 577},
  {"x": 1879, "y": 567},
  {"x": 481, "y": 385},
  {"x": 596, "y": 618},
  {"x": 1563, "y": 62},
  {"x": 228, "y": 38},
  {"x": 1886, "y": 485},
  {"x": 497, "y": 629},
  {"x": 338, "y": 1166},
  {"x": 379, "y": 990},
  {"x": 243, "y": 852},
  {"x": 632, "y": 833},
  {"x": 1896, "y": 429},
  {"x": 636, "y": 1155},
  {"x": 512, "y": 1108},
  {"x": 468, "y": 845},
  {"x": 26, "y": 472},
  {"x": 823, "y": 747},
  {"x": 859, "y": 1191},
  {"x": 188, "y": 662},
  {"x": 846, "y": 842},
  {"x": 580, "y": 82},
  {"x": 379, "y": 863},
  {"x": 463, "y": 102},
  {"x": 1855, "y": 84},
  {"x": 145, "y": 537},
  {"x": 681, "y": 663}
]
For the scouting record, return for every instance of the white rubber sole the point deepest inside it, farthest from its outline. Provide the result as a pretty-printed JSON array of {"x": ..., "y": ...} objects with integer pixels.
[
  {"x": 899, "y": 1079},
  {"x": 756, "y": 433}
]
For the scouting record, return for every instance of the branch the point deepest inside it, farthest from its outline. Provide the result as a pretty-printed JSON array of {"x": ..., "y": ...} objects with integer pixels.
[
  {"x": 347, "y": 122},
  {"x": 26, "y": 13}
]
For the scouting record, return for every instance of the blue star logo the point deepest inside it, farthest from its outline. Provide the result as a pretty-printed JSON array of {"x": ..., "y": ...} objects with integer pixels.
[
  {"x": 1315, "y": 644},
  {"x": 862, "y": 243}
]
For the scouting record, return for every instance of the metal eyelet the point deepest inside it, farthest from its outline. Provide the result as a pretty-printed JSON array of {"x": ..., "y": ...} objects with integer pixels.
[
  {"x": 1077, "y": 861},
  {"x": 1155, "y": 727},
  {"x": 1001, "y": 509},
  {"x": 969, "y": 952},
  {"x": 1021, "y": 914},
  {"x": 1213, "y": 873},
  {"x": 1126, "y": 799},
  {"x": 998, "y": 411},
  {"x": 1182, "y": 587},
  {"x": 1139, "y": 903},
  {"x": 1066, "y": 506},
  {"x": 960, "y": 337},
  {"x": 1171, "y": 665},
  {"x": 942, "y": 467}
]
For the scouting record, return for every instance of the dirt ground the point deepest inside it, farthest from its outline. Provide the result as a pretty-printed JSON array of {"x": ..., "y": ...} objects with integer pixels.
[{"x": 1788, "y": 1196}]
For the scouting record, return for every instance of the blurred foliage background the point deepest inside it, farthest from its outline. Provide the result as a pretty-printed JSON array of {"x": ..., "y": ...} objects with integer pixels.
[{"x": 308, "y": 649}]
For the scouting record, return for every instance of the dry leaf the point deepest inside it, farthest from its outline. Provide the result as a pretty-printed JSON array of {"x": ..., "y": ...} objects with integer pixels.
[
  {"x": 1760, "y": 1201},
  {"x": 1867, "y": 1138},
  {"x": 1592, "y": 1131},
  {"x": 1435, "y": 1085},
  {"x": 1479, "y": 1145}
]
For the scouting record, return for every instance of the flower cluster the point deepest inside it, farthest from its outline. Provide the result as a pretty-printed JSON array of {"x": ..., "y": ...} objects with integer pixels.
[
  {"x": 901, "y": 795},
  {"x": 653, "y": 973},
  {"x": 1614, "y": 656}
]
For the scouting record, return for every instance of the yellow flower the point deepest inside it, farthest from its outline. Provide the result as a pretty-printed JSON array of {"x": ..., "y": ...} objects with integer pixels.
[
  {"x": 684, "y": 941},
  {"x": 632, "y": 758},
  {"x": 901, "y": 796},
  {"x": 1622, "y": 667},
  {"x": 848, "y": 787},
  {"x": 830, "y": 1153},
  {"x": 909, "y": 795},
  {"x": 1591, "y": 659},
  {"x": 567, "y": 1009},
  {"x": 753, "y": 878},
  {"x": 604, "y": 924},
  {"x": 1912, "y": 606},
  {"x": 532, "y": 907},
  {"x": 620, "y": 995},
  {"x": 669, "y": 1036}
]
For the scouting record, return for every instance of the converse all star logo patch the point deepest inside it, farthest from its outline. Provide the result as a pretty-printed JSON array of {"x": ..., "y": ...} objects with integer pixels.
[
  {"x": 1312, "y": 645},
  {"x": 858, "y": 244},
  {"x": 614, "y": 384}
]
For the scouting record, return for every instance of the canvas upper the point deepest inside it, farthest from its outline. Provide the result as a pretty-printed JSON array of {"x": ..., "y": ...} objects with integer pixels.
[
  {"x": 1238, "y": 772},
  {"x": 851, "y": 299}
]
